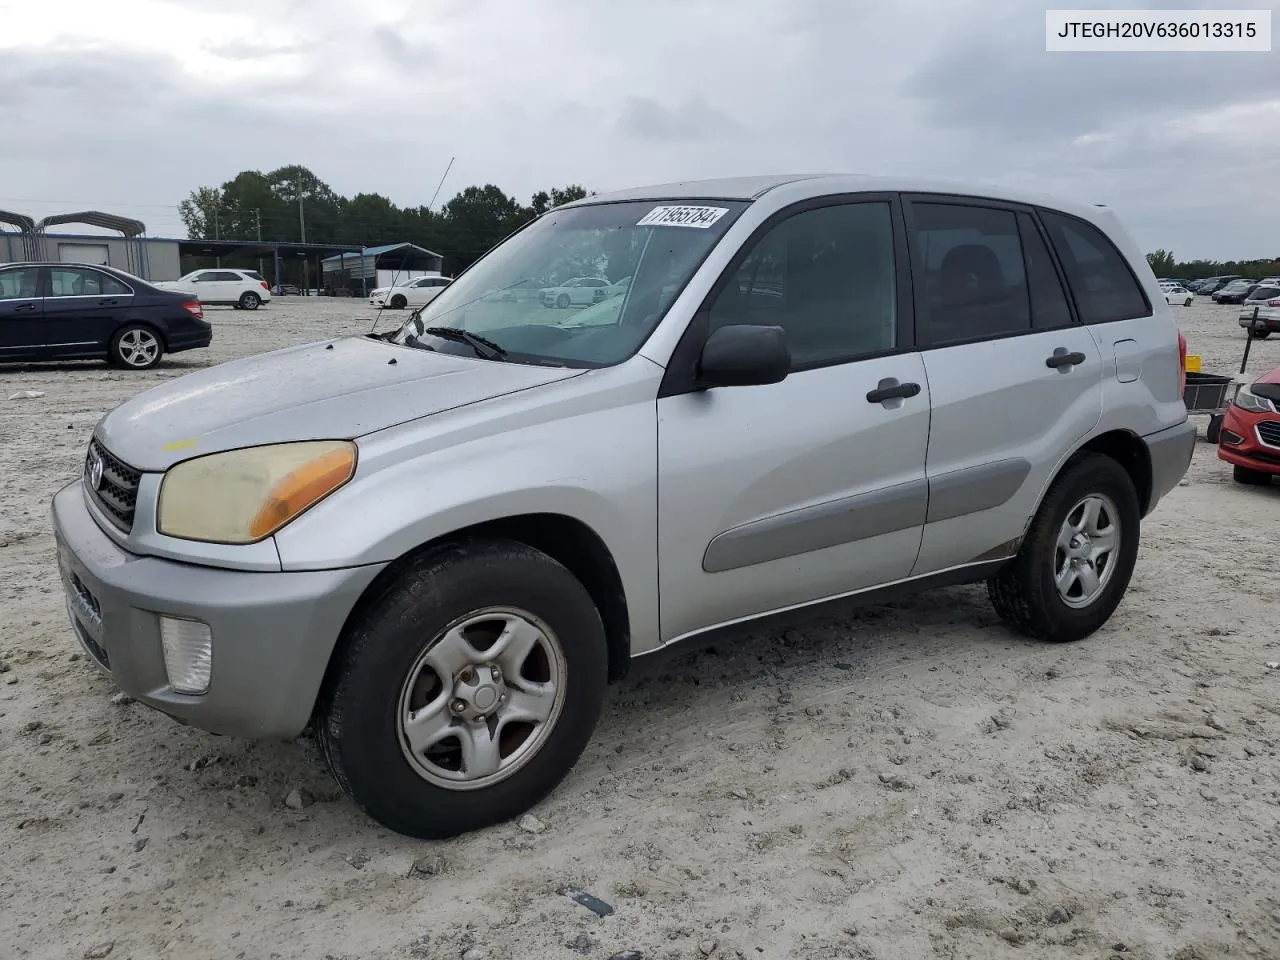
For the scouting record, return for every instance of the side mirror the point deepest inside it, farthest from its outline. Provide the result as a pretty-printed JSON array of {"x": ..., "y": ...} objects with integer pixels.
[{"x": 742, "y": 355}]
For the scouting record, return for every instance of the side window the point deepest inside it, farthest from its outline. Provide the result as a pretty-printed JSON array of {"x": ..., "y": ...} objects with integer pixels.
[
  {"x": 227, "y": 276},
  {"x": 827, "y": 277},
  {"x": 1049, "y": 309},
  {"x": 20, "y": 283},
  {"x": 74, "y": 282},
  {"x": 1104, "y": 287},
  {"x": 970, "y": 263},
  {"x": 203, "y": 277}
]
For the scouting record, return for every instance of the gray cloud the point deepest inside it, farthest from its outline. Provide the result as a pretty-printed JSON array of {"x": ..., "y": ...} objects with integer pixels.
[{"x": 549, "y": 92}]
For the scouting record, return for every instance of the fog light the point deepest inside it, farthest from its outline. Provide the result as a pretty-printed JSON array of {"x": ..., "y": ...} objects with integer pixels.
[
  {"x": 188, "y": 654},
  {"x": 1232, "y": 438}
]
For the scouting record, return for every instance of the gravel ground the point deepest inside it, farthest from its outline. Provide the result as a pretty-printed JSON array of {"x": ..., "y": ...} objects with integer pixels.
[{"x": 906, "y": 782}]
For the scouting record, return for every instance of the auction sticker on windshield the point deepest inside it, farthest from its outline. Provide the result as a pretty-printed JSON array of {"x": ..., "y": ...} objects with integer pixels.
[{"x": 700, "y": 217}]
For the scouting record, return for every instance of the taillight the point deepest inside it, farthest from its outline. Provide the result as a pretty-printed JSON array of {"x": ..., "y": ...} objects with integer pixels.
[
  {"x": 193, "y": 307},
  {"x": 1273, "y": 303},
  {"x": 264, "y": 286},
  {"x": 1182, "y": 363}
]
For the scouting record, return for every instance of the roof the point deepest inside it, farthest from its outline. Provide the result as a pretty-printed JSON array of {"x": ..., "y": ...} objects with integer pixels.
[
  {"x": 24, "y": 223},
  {"x": 816, "y": 184},
  {"x": 96, "y": 218},
  {"x": 379, "y": 251}
]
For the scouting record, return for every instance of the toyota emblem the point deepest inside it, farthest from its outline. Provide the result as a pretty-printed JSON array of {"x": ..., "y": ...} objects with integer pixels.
[{"x": 95, "y": 469}]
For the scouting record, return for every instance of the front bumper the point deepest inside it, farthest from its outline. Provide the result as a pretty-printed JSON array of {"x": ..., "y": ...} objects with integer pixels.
[
  {"x": 1170, "y": 452},
  {"x": 1249, "y": 450},
  {"x": 273, "y": 633}
]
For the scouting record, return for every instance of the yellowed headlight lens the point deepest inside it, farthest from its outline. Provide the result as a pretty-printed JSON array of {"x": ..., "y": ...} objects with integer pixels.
[{"x": 241, "y": 496}]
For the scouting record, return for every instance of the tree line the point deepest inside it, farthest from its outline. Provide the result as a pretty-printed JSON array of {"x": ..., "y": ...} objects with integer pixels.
[
  {"x": 292, "y": 204},
  {"x": 1164, "y": 264}
]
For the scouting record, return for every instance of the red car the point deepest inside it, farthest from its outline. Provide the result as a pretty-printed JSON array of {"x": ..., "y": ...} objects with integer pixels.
[{"x": 1250, "y": 437}]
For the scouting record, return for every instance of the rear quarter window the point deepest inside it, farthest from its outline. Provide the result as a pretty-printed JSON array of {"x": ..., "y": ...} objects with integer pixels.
[{"x": 1104, "y": 288}]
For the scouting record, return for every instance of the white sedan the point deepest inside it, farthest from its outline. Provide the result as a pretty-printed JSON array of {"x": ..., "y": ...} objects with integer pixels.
[
  {"x": 242, "y": 289},
  {"x": 417, "y": 292},
  {"x": 582, "y": 292},
  {"x": 1174, "y": 294}
]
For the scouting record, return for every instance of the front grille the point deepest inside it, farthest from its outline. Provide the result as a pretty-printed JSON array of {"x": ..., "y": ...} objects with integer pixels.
[
  {"x": 1269, "y": 432},
  {"x": 116, "y": 493}
]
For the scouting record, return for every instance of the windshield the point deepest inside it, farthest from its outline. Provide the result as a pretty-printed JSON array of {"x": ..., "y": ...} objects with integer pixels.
[{"x": 584, "y": 286}]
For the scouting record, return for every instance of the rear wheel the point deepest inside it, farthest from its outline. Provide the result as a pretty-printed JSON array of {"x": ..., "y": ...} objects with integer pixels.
[
  {"x": 1252, "y": 478},
  {"x": 467, "y": 691},
  {"x": 1259, "y": 334},
  {"x": 1075, "y": 564},
  {"x": 136, "y": 347},
  {"x": 249, "y": 301}
]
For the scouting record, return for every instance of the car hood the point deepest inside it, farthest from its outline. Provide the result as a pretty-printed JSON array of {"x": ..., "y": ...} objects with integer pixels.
[{"x": 336, "y": 389}]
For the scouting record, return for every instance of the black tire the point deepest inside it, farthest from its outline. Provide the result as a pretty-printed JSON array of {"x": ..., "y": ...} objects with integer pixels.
[
  {"x": 1213, "y": 433},
  {"x": 249, "y": 301},
  {"x": 1259, "y": 334},
  {"x": 562, "y": 301},
  {"x": 1251, "y": 478},
  {"x": 358, "y": 724},
  {"x": 398, "y": 302},
  {"x": 128, "y": 347},
  {"x": 1024, "y": 593}
]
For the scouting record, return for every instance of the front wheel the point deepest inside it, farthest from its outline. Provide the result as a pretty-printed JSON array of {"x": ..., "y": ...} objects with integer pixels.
[
  {"x": 1074, "y": 566},
  {"x": 1259, "y": 334},
  {"x": 562, "y": 301},
  {"x": 398, "y": 302},
  {"x": 1214, "y": 431},
  {"x": 1251, "y": 478},
  {"x": 467, "y": 691}
]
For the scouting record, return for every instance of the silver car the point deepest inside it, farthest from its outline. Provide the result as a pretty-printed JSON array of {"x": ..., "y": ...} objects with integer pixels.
[{"x": 442, "y": 542}]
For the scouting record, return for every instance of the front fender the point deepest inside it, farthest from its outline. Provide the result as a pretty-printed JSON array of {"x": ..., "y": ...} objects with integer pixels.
[{"x": 427, "y": 479}]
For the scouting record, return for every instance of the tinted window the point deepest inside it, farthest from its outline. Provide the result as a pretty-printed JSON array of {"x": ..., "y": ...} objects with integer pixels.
[
  {"x": 971, "y": 266},
  {"x": 826, "y": 277},
  {"x": 253, "y": 273},
  {"x": 1104, "y": 288},
  {"x": 1049, "y": 308},
  {"x": 1265, "y": 293},
  {"x": 73, "y": 282},
  {"x": 224, "y": 275},
  {"x": 19, "y": 284}
]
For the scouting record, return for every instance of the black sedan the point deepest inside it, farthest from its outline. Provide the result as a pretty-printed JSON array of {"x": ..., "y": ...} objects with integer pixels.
[{"x": 74, "y": 311}]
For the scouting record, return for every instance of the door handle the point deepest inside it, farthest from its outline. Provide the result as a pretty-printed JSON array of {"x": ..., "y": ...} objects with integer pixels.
[
  {"x": 107, "y": 303},
  {"x": 1061, "y": 358},
  {"x": 25, "y": 306},
  {"x": 891, "y": 389}
]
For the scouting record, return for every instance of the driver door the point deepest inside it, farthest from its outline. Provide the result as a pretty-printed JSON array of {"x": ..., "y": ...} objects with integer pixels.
[{"x": 784, "y": 494}]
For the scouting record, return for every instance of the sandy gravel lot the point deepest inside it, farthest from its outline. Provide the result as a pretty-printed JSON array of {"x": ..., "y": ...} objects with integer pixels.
[{"x": 909, "y": 782}]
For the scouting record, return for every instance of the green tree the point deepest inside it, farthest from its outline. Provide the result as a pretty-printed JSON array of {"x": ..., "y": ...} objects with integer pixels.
[
  {"x": 199, "y": 212},
  {"x": 1162, "y": 262}
]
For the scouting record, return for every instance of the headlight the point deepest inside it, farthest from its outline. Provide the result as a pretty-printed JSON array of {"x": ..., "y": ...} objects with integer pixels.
[
  {"x": 1246, "y": 399},
  {"x": 242, "y": 496}
]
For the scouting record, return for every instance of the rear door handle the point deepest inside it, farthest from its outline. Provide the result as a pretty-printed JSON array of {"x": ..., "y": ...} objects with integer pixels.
[
  {"x": 890, "y": 389},
  {"x": 1061, "y": 358},
  {"x": 107, "y": 303}
]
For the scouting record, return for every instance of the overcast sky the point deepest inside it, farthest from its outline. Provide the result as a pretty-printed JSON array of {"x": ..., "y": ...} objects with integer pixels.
[{"x": 128, "y": 105}]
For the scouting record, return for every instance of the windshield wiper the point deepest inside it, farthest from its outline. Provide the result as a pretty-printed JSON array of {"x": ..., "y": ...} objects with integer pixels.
[{"x": 485, "y": 348}]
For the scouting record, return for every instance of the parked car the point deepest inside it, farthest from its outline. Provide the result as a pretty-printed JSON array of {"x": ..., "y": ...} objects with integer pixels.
[
  {"x": 581, "y": 292},
  {"x": 441, "y": 544},
  {"x": 286, "y": 290},
  {"x": 1267, "y": 301},
  {"x": 1234, "y": 292},
  {"x": 1250, "y": 435},
  {"x": 242, "y": 289},
  {"x": 1174, "y": 294},
  {"x": 75, "y": 311},
  {"x": 414, "y": 292},
  {"x": 1214, "y": 284}
]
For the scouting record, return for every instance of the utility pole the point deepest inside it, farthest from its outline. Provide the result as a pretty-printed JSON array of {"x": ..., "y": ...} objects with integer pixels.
[
  {"x": 218, "y": 259},
  {"x": 257, "y": 216},
  {"x": 302, "y": 222}
]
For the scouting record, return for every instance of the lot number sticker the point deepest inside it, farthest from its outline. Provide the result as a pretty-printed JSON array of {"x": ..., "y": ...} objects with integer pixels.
[{"x": 700, "y": 217}]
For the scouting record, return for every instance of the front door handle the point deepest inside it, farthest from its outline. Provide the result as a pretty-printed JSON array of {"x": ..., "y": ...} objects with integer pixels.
[
  {"x": 25, "y": 306},
  {"x": 1061, "y": 358},
  {"x": 890, "y": 389}
]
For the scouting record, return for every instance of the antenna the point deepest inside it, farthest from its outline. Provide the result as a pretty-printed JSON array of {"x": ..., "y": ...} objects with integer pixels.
[{"x": 394, "y": 276}]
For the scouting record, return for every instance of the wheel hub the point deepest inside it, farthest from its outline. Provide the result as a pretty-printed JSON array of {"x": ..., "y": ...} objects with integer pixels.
[{"x": 478, "y": 692}]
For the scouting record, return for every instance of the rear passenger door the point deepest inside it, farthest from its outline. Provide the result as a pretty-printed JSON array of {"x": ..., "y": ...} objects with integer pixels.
[
  {"x": 83, "y": 308},
  {"x": 1015, "y": 380}
]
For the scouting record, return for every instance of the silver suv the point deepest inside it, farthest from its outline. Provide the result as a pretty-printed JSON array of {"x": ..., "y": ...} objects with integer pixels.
[{"x": 440, "y": 543}]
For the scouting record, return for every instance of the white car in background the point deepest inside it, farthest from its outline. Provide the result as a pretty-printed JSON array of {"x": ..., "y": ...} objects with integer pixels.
[
  {"x": 242, "y": 289},
  {"x": 1175, "y": 294},
  {"x": 582, "y": 292},
  {"x": 414, "y": 292}
]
